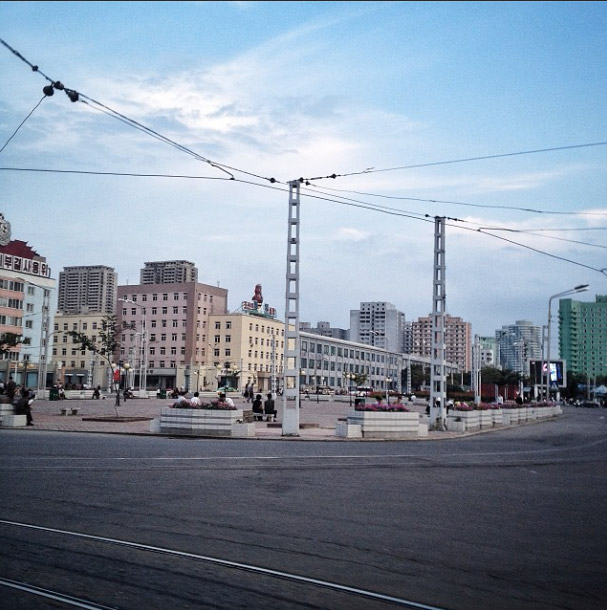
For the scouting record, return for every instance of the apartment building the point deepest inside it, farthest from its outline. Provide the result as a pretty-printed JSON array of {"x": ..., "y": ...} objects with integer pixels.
[
  {"x": 582, "y": 328},
  {"x": 518, "y": 344},
  {"x": 168, "y": 272},
  {"x": 378, "y": 324},
  {"x": 87, "y": 289},
  {"x": 164, "y": 331},
  {"x": 458, "y": 340}
]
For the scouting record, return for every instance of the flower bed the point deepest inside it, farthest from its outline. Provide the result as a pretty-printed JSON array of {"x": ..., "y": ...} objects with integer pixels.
[
  {"x": 214, "y": 404},
  {"x": 396, "y": 407}
]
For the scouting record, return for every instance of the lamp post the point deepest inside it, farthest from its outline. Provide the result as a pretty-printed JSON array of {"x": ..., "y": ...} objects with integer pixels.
[
  {"x": 580, "y": 288},
  {"x": 143, "y": 363},
  {"x": 388, "y": 382}
]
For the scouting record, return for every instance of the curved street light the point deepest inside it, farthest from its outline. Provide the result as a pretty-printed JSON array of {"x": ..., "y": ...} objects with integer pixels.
[{"x": 580, "y": 288}]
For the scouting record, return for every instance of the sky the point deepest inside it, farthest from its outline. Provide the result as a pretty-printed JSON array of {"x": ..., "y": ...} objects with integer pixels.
[{"x": 194, "y": 117}]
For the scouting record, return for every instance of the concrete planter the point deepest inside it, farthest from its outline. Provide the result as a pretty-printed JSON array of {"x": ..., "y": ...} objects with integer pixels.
[
  {"x": 205, "y": 422},
  {"x": 385, "y": 424},
  {"x": 485, "y": 419},
  {"x": 471, "y": 419},
  {"x": 512, "y": 415},
  {"x": 498, "y": 416}
]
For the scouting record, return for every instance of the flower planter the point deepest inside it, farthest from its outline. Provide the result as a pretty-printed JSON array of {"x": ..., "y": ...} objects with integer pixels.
[
  {"x": 471, "y": 419},
  {"x": 205, "y": 422},
  {"x": 385, "y": 424},
  {"x": 485, "y": 418},
  {"x": 498, "y": 417},
  {"x": 513, "y": 415}
]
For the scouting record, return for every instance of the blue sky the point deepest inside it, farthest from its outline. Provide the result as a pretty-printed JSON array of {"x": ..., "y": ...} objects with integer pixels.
[{"x": 382, "y": 94}]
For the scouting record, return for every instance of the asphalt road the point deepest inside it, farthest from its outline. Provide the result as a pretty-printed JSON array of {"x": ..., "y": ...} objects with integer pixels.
[{"x": 511, "y": 520}]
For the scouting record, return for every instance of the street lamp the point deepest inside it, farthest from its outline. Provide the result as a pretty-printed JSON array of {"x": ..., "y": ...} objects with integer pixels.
[
  {"x": 388, "y": 382},
  {"x": 580, "y": 288},
  {"x": 143, "y": 364}
]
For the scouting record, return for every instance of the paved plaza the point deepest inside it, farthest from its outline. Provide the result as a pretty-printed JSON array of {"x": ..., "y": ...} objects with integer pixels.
[{"x": 318, "y": 419}]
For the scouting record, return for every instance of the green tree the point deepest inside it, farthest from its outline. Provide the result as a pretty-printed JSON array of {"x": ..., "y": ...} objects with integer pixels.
[
  {"x": 106, "y": 345},
  {"x": 8, "y": 341}
]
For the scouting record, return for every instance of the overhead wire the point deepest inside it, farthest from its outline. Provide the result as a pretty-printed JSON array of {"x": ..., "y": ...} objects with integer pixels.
[
  {"x": 22, "y": 123},
  {"x": 77, "y": 96}
]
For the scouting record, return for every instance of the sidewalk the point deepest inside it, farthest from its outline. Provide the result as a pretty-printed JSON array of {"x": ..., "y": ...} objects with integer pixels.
[{"x": 317, "y": 419}]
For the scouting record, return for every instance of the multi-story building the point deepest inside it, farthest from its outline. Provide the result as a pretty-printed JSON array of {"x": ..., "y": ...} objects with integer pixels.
[
  {"x": 329, "y": 362},
  {"x": 378, "y": 324},
  {"x": 74, "y": 368},
  {"x": 583, "y": 335},
  {"x": 87, "y": 289},
  {"x": 86, "y": 295},
  {"x": 489, "y": 352},
  {"x": 324, "y": 329},
  {"x": 458, "y": 340},
  {"x": 518, "y": 344},
  {"x": 169, "y": 272},
  {"x": 245, "y": 348},
  {"x": 27, "y": 300},
  {"x": 165, "y": 333}
]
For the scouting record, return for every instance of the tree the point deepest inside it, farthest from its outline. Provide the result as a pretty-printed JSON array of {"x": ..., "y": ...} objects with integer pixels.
[
  {"x": 106, "y": 346},
  {"x": 9, "y": 341}
]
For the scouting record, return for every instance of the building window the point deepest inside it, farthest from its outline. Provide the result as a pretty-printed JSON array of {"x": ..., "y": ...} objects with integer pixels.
[
  {"x": 165, "y": 297},
  {"x": 228, "y": 325}
]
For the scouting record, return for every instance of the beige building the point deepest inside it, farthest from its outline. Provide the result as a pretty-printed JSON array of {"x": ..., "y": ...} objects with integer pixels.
[
  {"x": 72, "y": 367},
  {"x": 245, "y": 348}
]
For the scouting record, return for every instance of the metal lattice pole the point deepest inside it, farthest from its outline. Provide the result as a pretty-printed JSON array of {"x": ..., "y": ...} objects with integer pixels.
[
  {"x": 291, "y": 398},
  {"x": 438, "y": 390}
]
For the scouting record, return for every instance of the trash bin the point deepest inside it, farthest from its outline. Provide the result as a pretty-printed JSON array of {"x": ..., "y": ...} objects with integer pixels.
[
  {"x": 53, "y": 394},
  {"x": 359, "y": 402},
  {"x": 161, "y": 394}
]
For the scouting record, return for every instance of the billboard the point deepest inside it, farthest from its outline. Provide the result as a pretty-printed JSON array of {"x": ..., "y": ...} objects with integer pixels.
[{"x": 558, "y": 374}]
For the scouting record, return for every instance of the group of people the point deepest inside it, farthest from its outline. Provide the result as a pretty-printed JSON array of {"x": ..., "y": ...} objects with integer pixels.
[
  {"x": 265, "y": 408},
  {"x": 21, "y": 398}
]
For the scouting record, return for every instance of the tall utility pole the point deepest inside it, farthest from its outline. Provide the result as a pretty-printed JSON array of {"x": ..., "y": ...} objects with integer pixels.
[
  {"x": 476, "y": 370},
  {"x": 438, "y": 389},
  {"x": 291, "y": 398}
]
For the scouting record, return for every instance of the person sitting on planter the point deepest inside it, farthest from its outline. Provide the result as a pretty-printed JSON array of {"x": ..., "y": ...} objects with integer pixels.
[
  {"x": 258, "y": 408},
  {"x": 225, "y": 401},
  {"x": 269, "y": 409}
]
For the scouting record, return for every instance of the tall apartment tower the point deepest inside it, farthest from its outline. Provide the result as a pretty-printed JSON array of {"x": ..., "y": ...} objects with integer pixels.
[
  {"x": 379, "y": 324},
  {"x": 88, "y": 289},
  {"x": 458, "y": 339},
  {"x": 583, "y": 335},
  {"x": 519, "y": 343},
  {"x": 169, "y": 272}
]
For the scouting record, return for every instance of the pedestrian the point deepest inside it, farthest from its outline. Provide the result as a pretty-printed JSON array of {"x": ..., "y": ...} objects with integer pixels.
[
  {"x": 11, "y": 388},
  {"x": 269, "y": 409},
  {"x": 195, "y": 400},
  {"x": 24, "y": 405},
  {"x": 97, "y": 393},
  {"x": 258, "y": 408}
]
